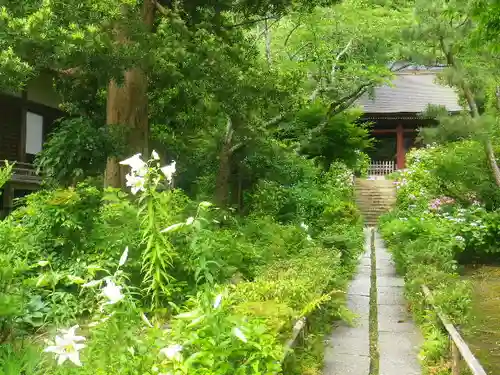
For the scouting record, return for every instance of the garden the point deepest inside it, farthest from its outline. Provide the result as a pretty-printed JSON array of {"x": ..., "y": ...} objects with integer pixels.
[
  {"x": 103, "y": 281},
  {"x": 194, "y": 180}
]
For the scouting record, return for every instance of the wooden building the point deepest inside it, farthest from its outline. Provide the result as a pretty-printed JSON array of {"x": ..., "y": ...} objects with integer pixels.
[
  {"x": 396, "y": 113},
  {"x": 26, "y": 118}
]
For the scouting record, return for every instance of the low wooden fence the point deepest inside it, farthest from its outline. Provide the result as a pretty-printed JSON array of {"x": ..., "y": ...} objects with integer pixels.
[
  {"x": 298, "y": 331},
  {"x": 459, "y": 348},
  {"x": 381, "y": 167}
]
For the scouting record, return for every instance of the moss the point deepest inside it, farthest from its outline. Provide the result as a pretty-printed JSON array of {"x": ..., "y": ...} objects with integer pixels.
[{"x": 373, "y": 325}]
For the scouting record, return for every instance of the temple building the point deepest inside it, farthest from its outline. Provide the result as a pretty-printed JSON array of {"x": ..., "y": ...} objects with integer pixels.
[{"x": 396, "y": 114}]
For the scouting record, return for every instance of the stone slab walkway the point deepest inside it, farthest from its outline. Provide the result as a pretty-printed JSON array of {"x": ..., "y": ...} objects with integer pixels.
[
  {"x": 347, "y": 351},
  {"x": 398, "y": 338}
]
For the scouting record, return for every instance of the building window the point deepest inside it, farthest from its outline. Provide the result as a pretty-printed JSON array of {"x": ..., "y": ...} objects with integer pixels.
[{"x": 34, "y": 135}]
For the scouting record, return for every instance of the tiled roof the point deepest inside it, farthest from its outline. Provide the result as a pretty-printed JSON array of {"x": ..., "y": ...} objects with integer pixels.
[{"x": 410, "y": 93}]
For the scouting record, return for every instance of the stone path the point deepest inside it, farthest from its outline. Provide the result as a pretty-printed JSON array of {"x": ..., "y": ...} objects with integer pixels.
[
  {"x": 398, "y": 338},
  {"x": 347, "y": 350}
]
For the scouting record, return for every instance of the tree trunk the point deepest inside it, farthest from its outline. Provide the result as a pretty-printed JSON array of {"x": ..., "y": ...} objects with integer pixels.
[
  {"x": 267, "y": 36},
  {"x": 127, "y": 107},
  {"x": 488, "y": 146},
  {"x": 224, "y": 173},
  {"x": 492, "y": 160}
]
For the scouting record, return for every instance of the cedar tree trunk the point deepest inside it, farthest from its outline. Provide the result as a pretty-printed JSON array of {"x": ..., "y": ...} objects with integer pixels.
[{"x": 127, "y": 106}]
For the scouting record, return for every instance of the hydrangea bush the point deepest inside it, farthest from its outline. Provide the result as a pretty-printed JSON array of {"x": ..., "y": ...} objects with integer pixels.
[{"x": 443, "y": 220}]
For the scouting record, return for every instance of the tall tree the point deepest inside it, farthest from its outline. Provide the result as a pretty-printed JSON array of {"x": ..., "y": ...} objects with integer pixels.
[
  {"x": 113, "y": 40},
  {"x": 442, "y": 31}
]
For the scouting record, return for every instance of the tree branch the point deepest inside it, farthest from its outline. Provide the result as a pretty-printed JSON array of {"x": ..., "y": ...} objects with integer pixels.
[
  {"x": 344, "y": 102},
  {"x": 291, "y": 33},
  {"x": 300, "y": 49},
  {"x": 267, "y": 37},
  {"x": 70, "y": 72},
  {"x": 236, "y": 147},
  {"x": 274, "y": 120},
  {"x": 469, "y": 96},
  {"x": 161, "y": 8},
  {"x": 339, "y": 56},
  {"x": 249, "y": 22}
]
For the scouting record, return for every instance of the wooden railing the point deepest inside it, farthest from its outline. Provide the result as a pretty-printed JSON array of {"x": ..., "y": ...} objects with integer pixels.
[
  {"x": 25, "y": 172},
  {"x": 459, "y": 348},
  {"x": 381, "y": 167},
  {"x": 298, "y": 330}
]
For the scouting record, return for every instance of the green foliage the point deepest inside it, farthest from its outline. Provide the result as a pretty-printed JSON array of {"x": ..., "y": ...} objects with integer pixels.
[
  {"x": 293, "y": 246},
  {"x": 339, "y": 56},
  {"x": 5, "y": 173},
  {"x": 439, "y": 224},
  {"x": 77, "y": 149},
  {"x": 327, "y": 139},
  {"x": 271, "y": 268}
]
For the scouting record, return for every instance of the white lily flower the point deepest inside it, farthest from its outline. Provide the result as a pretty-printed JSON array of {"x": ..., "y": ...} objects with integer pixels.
[
  {"x": 155, "y": 155},
  {"x": 66, "y": 347},
  {"x": 134, "y": 162},
  {"x": 124, "y": 257},
  {"x": 169, "y": 171},
  {"x": 237, "y": 332},
  {"x": 190, "y": 221},
  {"x": 112, "y": 292},
  {"x": 217, "y": 301},
  {"x": 135, "y": 182},
  {"x": 173, "y": 352}
]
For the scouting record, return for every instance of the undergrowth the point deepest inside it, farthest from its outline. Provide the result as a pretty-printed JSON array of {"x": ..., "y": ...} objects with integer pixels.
[{"x": 183, "y": 286}]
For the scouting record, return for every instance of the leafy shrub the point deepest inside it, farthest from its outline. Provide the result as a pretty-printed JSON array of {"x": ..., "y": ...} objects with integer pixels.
[
  {"x": 443, "y": 219},
  {"x": 270, "y": 266},
  {"x": 83, "y": 145}
]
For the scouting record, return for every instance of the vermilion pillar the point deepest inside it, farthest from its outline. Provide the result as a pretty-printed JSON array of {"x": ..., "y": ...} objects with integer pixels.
[{"x": 400, "y": 147}]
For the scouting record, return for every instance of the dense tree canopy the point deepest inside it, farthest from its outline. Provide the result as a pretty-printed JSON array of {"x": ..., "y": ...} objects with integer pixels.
[{"x": 210, "y": 83}]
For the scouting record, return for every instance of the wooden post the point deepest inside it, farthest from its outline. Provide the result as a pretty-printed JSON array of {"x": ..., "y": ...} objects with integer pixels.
[
  {"x": 22, "y": 140},
  {"x": 455, "y": 358},
  {"x": 400, "y": 147}
]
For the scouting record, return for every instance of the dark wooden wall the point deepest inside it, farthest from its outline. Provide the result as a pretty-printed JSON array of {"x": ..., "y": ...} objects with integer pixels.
[
  {"x": 10, "y": 127},
  {"x": 12, "y": 112}
]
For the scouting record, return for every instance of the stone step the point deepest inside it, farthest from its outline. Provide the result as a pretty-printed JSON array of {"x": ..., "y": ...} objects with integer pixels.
[
  {"x": 374, "y": 207},
  {"x": 383, "y": 199},
  {"x": 382, "y": 196},
  {"x": 375, "y": 188},
  {"x": 374, "y": 198},
  {"x": 374, "y": 204},
  {"x": 376, "y": 195}
]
